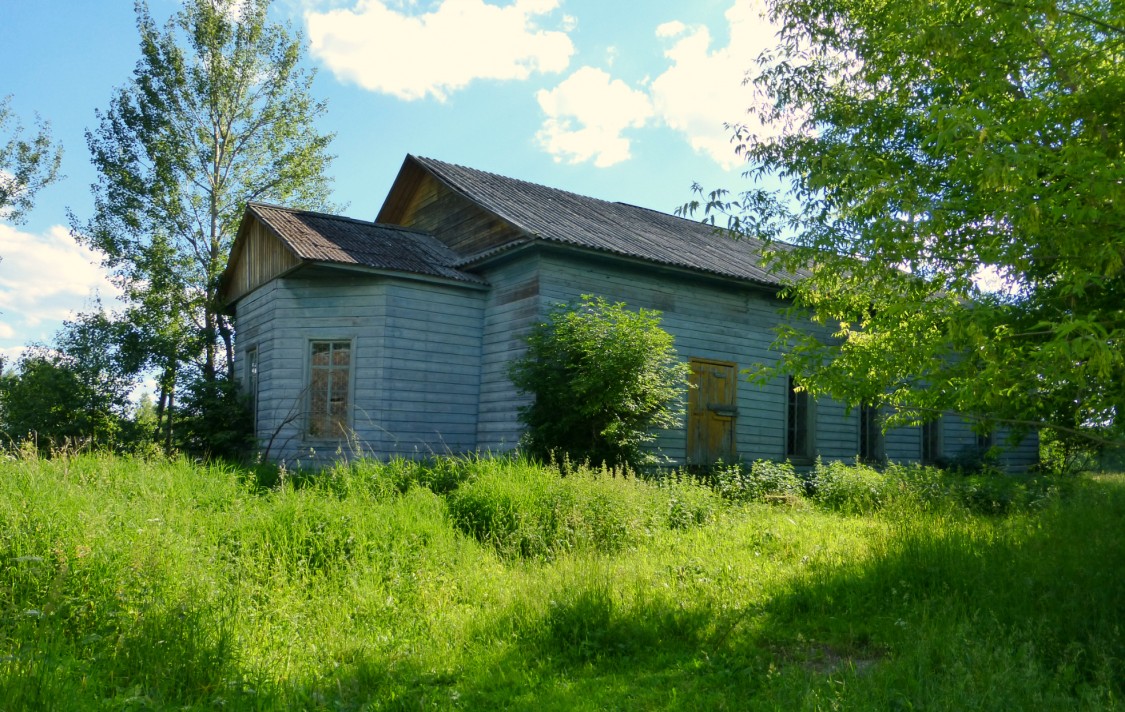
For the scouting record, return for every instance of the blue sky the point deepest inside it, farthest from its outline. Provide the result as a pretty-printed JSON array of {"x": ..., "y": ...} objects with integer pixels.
[{"x": 621, "y": 101}]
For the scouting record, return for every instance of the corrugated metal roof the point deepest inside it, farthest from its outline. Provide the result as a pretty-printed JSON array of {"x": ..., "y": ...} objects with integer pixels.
[
  {"x": 319, "y": 237},
  {"x": 563, "y": 217}
]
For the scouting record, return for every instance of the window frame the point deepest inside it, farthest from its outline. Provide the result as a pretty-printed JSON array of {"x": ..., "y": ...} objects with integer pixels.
[
  {"x": 872, "y": 442},
  {"x": 985, "y": 441},
  {"x": 349, "y": 406},
  {"x": 931, "y": 434},
  {"x": 794, "y": 420}
]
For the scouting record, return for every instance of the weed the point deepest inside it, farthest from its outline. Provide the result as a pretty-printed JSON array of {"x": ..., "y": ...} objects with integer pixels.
[{"x": 483, "y": 583}]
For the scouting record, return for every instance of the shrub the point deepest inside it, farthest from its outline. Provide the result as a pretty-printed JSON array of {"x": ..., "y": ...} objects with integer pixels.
[
  {"x": 850, "y": 489},
  {"x": 762, "y": 481},
  {"x": 690, "y": 505},
  {"x": 987, "y": 492},
  {"x": 216, "y": 420},
  {"x": 54, "y": 401},
  {"x": 398, "y": 475},
  {"x": 602, "y": 377},
  {"x": 528, "y": 511}
]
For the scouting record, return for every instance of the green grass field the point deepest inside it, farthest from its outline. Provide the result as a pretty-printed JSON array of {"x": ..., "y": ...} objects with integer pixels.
[{"x": 493, "y": 584}]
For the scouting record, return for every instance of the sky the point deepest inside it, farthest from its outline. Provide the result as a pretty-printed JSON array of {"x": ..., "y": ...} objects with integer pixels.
[{"x": 624, "y": 101}]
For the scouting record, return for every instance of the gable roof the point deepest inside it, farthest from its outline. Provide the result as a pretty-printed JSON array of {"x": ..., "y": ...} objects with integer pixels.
[
  {"x": 558, "y": 216},
  {"x": 306, "y": 236},
  {"x": 319, "y": 237}
]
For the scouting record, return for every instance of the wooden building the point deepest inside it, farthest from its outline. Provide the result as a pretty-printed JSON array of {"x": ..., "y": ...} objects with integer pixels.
[{"x": 395, "y": 337}]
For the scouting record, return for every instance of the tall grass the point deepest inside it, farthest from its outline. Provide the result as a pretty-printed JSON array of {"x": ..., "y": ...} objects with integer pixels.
[{"x": 494, "y": 583}]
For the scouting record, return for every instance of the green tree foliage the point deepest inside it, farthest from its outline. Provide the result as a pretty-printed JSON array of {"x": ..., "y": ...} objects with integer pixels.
[
  {"x": 217, "y": 113},
  {"x": 928, "y": 143},
  {"x": 76, "y": 393},
  {"x": 602, "y": 377},
  {"x": 27, "y": 164},
  {"x": 215, "y": 420}
]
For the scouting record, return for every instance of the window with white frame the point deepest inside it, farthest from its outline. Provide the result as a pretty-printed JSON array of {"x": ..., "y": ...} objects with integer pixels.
[{"x": 330, "y": 368}]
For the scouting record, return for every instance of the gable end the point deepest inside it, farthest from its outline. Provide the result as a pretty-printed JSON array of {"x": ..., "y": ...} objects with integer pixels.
[{"x": 257, "y": 256}]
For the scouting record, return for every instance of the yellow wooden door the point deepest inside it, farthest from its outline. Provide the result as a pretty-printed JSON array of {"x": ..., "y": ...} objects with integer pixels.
[{"x": 711, "y": 412}]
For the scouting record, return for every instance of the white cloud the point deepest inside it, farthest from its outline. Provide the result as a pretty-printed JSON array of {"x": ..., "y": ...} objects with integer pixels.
[
  {"x": 670, "y": 29},
  {"x": 10, "y": 355},
  {"x": 703, "y": 87},
  {"x": 412, "y": 56},
  {"x": 46, "y": 278},
  {"x": 700, "y": 91},
  {"x": 586, "y": 115}
]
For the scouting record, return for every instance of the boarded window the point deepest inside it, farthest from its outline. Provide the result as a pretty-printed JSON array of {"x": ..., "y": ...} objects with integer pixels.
[
  {"x": 931, "y": 441},
  {"x": 711, "y": 412},
  {"x": 799, "y": 424},
  {"x": 329, "y": 385},
  {"x": 871, "y": 445}
]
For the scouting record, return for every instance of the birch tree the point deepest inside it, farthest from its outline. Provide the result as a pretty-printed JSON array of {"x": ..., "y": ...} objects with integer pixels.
[
  {"x": 218, "y": 112},
  {"x": 27, "y": 163}
]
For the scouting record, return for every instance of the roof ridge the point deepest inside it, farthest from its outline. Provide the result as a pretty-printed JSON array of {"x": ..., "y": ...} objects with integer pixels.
[
  {"x": 552, "y": 189},
  {"x": 580, "y": 196},
  {"x": 341, "y": 218},
  {"x": 555, "y": 215}
]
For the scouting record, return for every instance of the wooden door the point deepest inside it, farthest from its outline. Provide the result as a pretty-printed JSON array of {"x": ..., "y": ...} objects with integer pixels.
[{"x": 711, "y": 412}]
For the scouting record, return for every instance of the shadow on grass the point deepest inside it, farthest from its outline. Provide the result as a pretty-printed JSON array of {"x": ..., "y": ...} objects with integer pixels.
[
  {"x": 585, "y": 652},
  {"x": 169, "y": 655},
  {"x": 953, "y": 613},
  {"x": 1024, "y": 612}
]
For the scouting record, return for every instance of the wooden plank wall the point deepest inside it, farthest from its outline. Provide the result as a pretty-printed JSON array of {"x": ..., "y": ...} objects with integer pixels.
[
  {"x": 960, "y": 442},
  {"x": 253, "y": 324},
  {"x": 296, "y": 311},
  {"x": 723, "y": 323},
  {"x": 459, "y": 223},
  {"x": 431, "y": 361},
  {"x": 431, "y": 369},
  {"x": 415, "y": 354},
  {"x": 511, "y": 307},
  {"x": 708, "y": 322},
  {"x": 904, "y": 444},
  {"x": 261, "y": 257},
  {"x": 1019, "y": 457}
]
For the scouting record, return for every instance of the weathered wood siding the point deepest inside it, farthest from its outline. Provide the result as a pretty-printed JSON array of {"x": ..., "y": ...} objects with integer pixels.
[
  {"x": 458, "y": 222},
  {"x": 513, "y": 304},
  {"x": 709, "y": 320},
  {"x": 959, "y": 443},
  {"x": 260, "y": 257},
  {"x": 430, "y": 361},
  {"x": 903, "y": 444},
  {"x": 431, "y": 365},
  {"x": 415, "y": 363},
  {"x": 1022, "y": 455}
]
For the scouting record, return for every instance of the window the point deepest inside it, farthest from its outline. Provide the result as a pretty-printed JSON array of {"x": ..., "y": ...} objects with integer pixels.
[
  {"x": 252, "y": 383},
  {"x": 985, "y": 441},
  {"x": 799, "y": 424},
  {"x": 871, "y": 445},
  {"x": 329, "y": 379},
  {"x": 931, "y": 441}
]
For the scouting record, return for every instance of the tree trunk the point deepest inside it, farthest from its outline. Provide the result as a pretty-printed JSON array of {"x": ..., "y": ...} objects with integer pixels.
[
  {"x": 228, "y": 344},
  {"x": 209, "y": 345}
]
